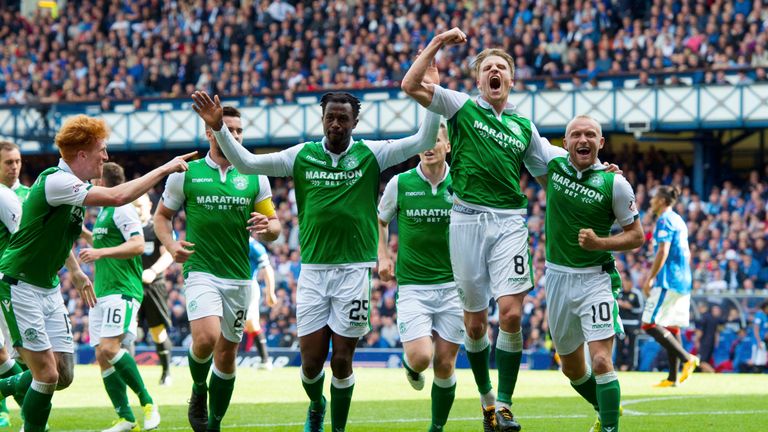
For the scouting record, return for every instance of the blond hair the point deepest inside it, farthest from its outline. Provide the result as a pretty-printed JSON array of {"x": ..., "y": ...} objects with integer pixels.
[
  {"x": 488, "y": 52},
  {"x": 80, "y": 133},
  {"x": 584, "y": 117}
]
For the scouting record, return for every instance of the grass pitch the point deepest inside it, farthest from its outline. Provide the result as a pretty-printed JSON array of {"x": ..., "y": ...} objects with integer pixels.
[{"x": 383, "y": 401}]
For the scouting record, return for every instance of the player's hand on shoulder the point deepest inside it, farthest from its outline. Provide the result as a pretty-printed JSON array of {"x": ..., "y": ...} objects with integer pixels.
[
  {"x": 588, "y": 240},
  {"x": 453, "y": 36},
  {"x": 210, "y": 110},
  {"x": 89, "y": 255},
  {"x": 181, "y": 250},
  {"x": 179, "y": 163}
]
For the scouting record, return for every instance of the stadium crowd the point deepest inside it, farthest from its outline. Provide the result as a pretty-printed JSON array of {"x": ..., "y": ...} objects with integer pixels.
[
  {"x": 728, "y": 239},
  {"x": 101, "y": 50}
]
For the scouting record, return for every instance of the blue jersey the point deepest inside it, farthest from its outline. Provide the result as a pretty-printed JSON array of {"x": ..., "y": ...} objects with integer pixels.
[
  {"x": 761, "y": 320},
  {"x": 675, "y": 274},
  {"x": 257, "y": 254}
]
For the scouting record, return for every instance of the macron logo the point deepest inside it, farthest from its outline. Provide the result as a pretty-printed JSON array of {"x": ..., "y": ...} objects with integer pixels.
[
  {"x": 202, "y": 180},
  {"x": 421, "y": 193}
]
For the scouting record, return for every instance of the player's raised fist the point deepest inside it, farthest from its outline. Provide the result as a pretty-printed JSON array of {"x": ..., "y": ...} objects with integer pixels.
[
  {"x": 453, "y": 36},
  {"x": 210, "y": 110}
]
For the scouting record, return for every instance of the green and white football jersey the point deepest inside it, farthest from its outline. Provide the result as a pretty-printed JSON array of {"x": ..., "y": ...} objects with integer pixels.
[
  {"x": 51, "y": 222},
  {"x": 488, "y": 150},
  {"x": 22, "y": 192},
  {"x": 10, "y": 216},
  {"x": 335, "y": 193},
  {"x": 113, "y": 227},
  {"x": 423, "y": 216},
  {"x": 218, "y": 205},
  {"x": 592, "y": 198}
]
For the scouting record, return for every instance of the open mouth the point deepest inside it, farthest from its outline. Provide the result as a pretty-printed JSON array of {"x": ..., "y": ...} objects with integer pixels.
[
  {"x": 428, "y": 153},
  {"x": 583, "y": 151},
  {"x": 495, "y": 82}
]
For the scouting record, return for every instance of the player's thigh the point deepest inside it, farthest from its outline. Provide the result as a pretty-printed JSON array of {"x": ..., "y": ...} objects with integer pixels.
[
  {"x": 448, "y": 316},
  {"x": 598, "y": 309},
  {"x": 415, "y": 309},
  {"x": 350, "y": 297},
  {"x": 313, "y": 304},
  {"x": 236, "y": 296},
  {"x": 24, "y": 310},
  {"x": 509, "y": 261},
  {"x": 445, "y": 356},
  {"x": 564, "y": 320},
  {"x": 58, "y": 325},
  {"x": 203, "y": 296},
  {"x": 467, "y": 243}
]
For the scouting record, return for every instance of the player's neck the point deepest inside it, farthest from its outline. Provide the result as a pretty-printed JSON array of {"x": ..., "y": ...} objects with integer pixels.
[
  {"x": 8, "y": 182},
  {"x": 434, "y": 172},
  {"x": 220, "y": 160}
]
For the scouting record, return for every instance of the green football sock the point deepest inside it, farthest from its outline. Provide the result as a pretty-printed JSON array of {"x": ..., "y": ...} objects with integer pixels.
[
  {"x": 609, "y": 400},
  {"x": 587, "y": 388},
  {"x": 199, "y": 369},
  {"x": 341, "y": 399},
  {"x": 443, "y": 394},
  {"x": 314, "y": 389},
  {"x": 125, "y": 365},
  {"x": 37, "y": 406},
  {"x": 221, "y": 387},
  {"x": 479, "y": 356},
  {"x": 509, "y": 352},
  {"x": 9, "y": 369},
  {"x": 16, "y": 386},
  {"x": 116, "y": 390}
]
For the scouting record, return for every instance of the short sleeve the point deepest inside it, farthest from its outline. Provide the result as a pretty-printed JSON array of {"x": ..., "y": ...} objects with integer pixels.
[
  {"x": 664, "y": 232},
  {"x": 265, "y": 190},
  {"x": 64, "y": 188},
  {"x": 539, "y": 152},
  {"x": 127, "y": 221},
  {"x": 173, "y": 197},
  {"x": 624, "y": 207},
  {"x": 388, "y": 203},
  {"x": 447, "y": 102},
  {"x": 10, "y": 210}
]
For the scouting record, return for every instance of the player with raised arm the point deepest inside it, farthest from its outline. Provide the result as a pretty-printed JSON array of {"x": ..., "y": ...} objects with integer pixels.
[
  {"x": 668, "y": 286},
  {"x": 583, "y": 202},
  {"x": 261, "y": 269},
  {"x": 337, "y": 185},
  {"x": 222, "y": 204},
  {"x": 154, "y": 308},
  {"x": 488, "y": 232},
  {"x": 117, "y": 244},
  {"x": 429, "y": 314},
  {"x": 29, "y": 291}
]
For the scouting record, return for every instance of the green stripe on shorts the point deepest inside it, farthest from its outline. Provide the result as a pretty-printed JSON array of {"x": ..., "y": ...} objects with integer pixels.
[
  {"x": 618, "y": 326},
  {"x": 10, "y": 316},
  {"x": 128, "y": 315}
]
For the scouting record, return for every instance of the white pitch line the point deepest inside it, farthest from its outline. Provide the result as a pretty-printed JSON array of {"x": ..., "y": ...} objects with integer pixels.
[{"x": 477, "y": 419}]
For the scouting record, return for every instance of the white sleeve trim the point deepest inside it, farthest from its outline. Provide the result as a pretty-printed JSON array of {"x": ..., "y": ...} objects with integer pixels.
[
  {"x": 173, "y": 197},
  {"x": 278, "y": 164},
  {"x": 388, "y": 203},
  {"x": 10, "y": 210},
  {"x": 64, "y": 188},
  {"x": 624, "y": 207},
  {"x": 540, "y": 152},
  {"x": 126, "y": 218},
  {"x": 265, "y": 190},
  {"x": 447, "y": 102}
]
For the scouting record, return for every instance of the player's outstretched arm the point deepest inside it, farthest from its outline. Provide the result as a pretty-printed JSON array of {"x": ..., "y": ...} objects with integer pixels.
[
  {"x": 414, "y": 83},
  {"x": 393, "y": 152},
  {"x": 210, "y": 110},
  {"x": 134, "y": 246},
  {"x": 127, "y": 192}
]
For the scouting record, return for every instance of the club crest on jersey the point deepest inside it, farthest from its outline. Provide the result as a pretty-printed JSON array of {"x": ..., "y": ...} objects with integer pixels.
[
  {"x": 240, "y": 182},
  {"x": 30, "y": 334},
  {"x": 448, "y": 197},
  {"x": 350, "y": 162},
  {"x": 596, "y": 180},
  {"x": 514, "y": 127}
]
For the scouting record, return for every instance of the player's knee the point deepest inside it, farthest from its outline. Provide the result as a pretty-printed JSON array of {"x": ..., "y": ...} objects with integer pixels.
[
  {"x": 443, "y": 367},
  {"x": 602, "y": 363},
  {"x": 341, "y": 365},
  {"x": 510, "y": 318},
  {"x": 65, "y": 371},
  {"x": 65, "y": 378},
  {"x": 204, "y": 343},
  {"x": 476, "y": 329},
  {"x": 419, "y": 361}
]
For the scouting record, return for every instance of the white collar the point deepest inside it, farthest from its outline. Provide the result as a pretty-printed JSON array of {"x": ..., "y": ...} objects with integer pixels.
[
  {"x": 16, "y": 185},
  {"x": 211, "y": 163},
  {"x": 597, "y": 166},
  {"x": 324, "y": 141},
  {"x": 509, "y": 108},
  {"x": 421, "y": 174},
  {"x": 63, "y": 166}
]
